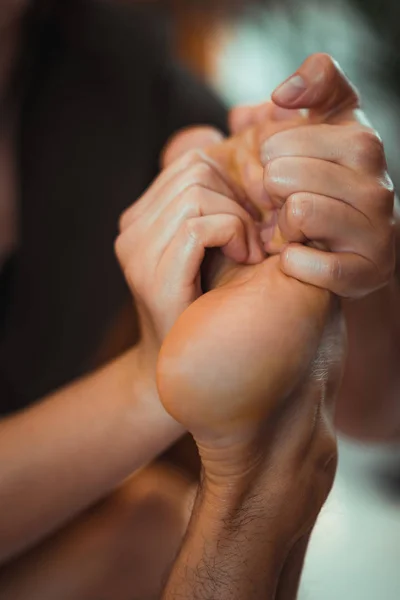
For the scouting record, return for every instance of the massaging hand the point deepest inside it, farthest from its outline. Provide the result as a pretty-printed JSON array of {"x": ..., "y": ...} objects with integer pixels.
[
  {"x": 324, "y": 183},
  {"x": 159, "y": 297},
  {"x": 163, "y": 238},
  {"x": 244, "y": 342},
  {"x": 252, "y": 369},
  {"x": 331, "y": 185}
]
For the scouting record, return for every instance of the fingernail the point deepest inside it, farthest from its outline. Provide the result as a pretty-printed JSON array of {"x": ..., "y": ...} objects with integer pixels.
[
  {"x": 290, "y": 90},
  {"x": 300, "y": 260}
]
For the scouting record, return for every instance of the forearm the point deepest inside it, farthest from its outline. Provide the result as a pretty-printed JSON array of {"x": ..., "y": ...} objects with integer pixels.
[{"x": 68, "y": 451}]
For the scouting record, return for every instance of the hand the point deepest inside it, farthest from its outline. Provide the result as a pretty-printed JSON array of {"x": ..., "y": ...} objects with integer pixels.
[
  {"x": 338, "y": 106},
  {"x": 325, "y": 182},
  {"x": 259, "y": 342},
  {"x": 328, "y": 182},
  {"x": 229, "y": 153},
  {"x": 163, "y": 238},
  {"x": 238, "y": 158}
]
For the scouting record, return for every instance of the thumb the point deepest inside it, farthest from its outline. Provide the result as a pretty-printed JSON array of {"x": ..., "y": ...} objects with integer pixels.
[
  {"x": 192, "y": 138},
  {"x": 319, "y": 85}
]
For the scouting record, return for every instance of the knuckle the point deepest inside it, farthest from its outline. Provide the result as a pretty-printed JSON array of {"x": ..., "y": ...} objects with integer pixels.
[
  {"x": 332, "y": 74},
  {"x": 129, "y": 264},
  {"x": 384, "y": 193},
  {"x": 235, "y": 223},
  {"x": 189, "y": 202},
  {"x": 273, "y": 171},
  {"x": 270, "y": 168},
  {"x": 367, "y": 147},
  {"x": 192, "y": 157},
  {"x": 134, "y": 278},
  {"x": 330, "y": 71},
  {"x": 273, "y": 178},
  {"x": 201, "y": 173},
  {"x": 328, "y": 65},
  {"x": 270, "y": 149},
  {"x": 379, "y": 194},
  {"x": 191, "y": 230},
  {"x": 335, "y": 271},
  {"x": 128, "y": 216},
  {"x": 299, "y": 209}
]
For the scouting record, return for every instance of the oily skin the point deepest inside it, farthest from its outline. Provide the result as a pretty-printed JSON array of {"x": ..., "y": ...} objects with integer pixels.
[
  {"x": 252, "y": 369},
  {"x": 367, "y": 406},
  {"x": 123, "y": 460},
  {"x": 237, "y": 367},
  {"x": 199, "y": 202},
  {"x": 103, "y": 389},
  {"x": 327, "y": 184},
  {"x": 266, "y": 473}
]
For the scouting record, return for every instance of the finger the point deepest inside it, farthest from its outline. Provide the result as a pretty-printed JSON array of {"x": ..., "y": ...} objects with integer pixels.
[
  {"x": 192, "y": 138},
  {"x": 183, "y": 151},
  {"x": 286, "y": 176},
  {"x": 202, "y": 175},
  {"x": 346, "y": 274},
  {"x": 244, "y": 117},
  {"x": 134, "y": 211},
  {"x": 196, "y": 202},
  {"x": 320, "y": 85},
  {"x": 241, "y": 118},
  {"x": 311, "y": 217},
  {"x": 181, "y": 262},
  {"x": 286, "y": 114},
  {"x": 190, "y": 170},
  {"x": 354, "y": 146}
]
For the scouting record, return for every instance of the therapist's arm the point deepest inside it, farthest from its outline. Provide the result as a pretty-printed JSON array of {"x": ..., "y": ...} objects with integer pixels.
[{"x": 72, "y": 448}]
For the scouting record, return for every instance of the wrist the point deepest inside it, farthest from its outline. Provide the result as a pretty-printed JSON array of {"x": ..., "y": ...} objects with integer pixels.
[{"x": 142, "y": 393}]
